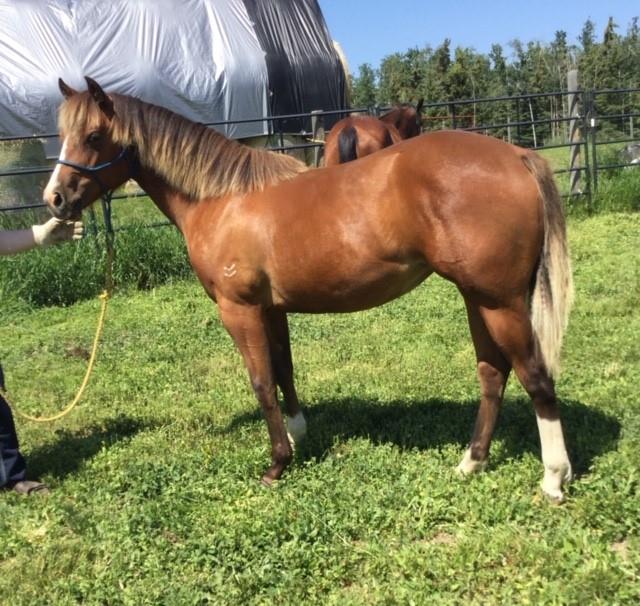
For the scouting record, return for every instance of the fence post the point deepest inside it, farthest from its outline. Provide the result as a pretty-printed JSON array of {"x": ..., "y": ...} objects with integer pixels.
[
  {"x": 575, "y": 136},
  {"x": 317, "y": 130},
  {"x": 593, "y": 129}
]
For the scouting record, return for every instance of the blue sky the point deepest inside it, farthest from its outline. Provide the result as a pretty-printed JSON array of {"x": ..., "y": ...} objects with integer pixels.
[{"x": 368, "y": 30}]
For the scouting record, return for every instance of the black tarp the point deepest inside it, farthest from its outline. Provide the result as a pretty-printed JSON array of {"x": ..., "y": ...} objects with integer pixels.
[{"x": 305, "y": 72}]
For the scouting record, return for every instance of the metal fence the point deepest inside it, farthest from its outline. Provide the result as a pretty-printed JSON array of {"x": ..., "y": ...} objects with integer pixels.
[
  {"x": 278, "y": 138},
  {"x": 584, "y": 122}
]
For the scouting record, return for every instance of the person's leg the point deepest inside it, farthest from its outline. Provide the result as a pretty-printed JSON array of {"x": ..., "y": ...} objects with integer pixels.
[{"x": 12, "y": 465}]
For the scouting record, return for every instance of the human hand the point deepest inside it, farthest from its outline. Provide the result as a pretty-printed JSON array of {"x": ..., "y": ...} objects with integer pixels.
[{"x": 57, "y": 230}]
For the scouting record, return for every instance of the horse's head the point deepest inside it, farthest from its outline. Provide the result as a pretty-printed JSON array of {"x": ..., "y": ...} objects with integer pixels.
[
  {"x": 406, "y": 118},
  {"x": 412, "y": 120},
  {"x": 91, "y": 163}
]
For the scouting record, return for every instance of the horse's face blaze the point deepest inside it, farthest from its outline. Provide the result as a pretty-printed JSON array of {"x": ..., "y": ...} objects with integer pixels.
[
  {"x": 73, "y": 186},
  {"x": 70, "y": 190}
]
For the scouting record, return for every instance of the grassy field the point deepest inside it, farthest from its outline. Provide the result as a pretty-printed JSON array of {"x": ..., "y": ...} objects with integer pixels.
[{"x": 155, "y": 486}]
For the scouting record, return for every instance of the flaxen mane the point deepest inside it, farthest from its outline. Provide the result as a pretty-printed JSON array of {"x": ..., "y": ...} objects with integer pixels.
[{"x": 194, "y": 159}]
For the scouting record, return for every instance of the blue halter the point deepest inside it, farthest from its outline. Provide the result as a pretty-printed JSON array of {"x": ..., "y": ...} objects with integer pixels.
[
  {"x": 105, "y": 192},
  {"x": 93, "y": 171}
]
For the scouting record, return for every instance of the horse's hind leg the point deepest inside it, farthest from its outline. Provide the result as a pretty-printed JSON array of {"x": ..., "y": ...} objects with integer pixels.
[
  {"x": 493, "y": 371},
  {"x": 247, "y": 325},
  {"x": 282, "y": 363},
  {"x": 510, "y": 327}
]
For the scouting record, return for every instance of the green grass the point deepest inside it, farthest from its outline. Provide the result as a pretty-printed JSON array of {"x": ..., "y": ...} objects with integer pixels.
[{"x": 156, "y": 497}]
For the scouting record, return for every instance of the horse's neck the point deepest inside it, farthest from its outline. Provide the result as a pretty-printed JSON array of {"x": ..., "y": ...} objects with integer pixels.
[{"x": 173, "y": 204}]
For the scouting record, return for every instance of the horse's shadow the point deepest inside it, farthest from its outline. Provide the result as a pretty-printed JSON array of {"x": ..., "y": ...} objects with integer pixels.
[
  {"x": 67, "y": 453},
  {"x": 433, "y": 423}
]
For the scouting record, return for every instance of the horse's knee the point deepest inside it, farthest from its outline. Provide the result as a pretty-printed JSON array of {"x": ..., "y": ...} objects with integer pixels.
[
  {"x": 265, "y": 392},
  {"x": 491, "y": 379}
]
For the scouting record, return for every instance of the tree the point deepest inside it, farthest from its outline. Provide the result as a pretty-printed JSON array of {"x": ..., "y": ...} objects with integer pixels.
[
  {"x": 392, "y": 79},
  {"x": 443, "y": 75},
  {"x": 587, "y": 36},
  {"x": 365, "y": 90}
]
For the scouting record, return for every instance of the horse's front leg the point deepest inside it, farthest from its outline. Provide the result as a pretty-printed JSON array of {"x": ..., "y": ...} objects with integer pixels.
[
  {"x": 246, "y": 324},
  {"x": 281, "y": 359}
]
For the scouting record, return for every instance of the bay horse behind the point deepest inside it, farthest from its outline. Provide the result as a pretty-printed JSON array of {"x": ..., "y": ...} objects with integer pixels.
[{"x": 358, "y": 136}]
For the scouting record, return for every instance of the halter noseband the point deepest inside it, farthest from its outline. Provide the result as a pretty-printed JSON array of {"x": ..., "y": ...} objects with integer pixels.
[{"x": 93, "y": 171}]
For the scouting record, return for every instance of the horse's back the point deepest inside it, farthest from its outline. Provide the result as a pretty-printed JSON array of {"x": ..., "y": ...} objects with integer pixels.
[
  {"x": 359, "y": 234},
  {"x": 466, "y": 202}
]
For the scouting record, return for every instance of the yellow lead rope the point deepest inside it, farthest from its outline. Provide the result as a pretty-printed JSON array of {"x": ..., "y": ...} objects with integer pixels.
[{"x": 106, "y": 294}]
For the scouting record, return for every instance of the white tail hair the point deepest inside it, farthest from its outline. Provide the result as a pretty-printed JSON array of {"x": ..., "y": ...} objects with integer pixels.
[{"x": 552, "y": 295}]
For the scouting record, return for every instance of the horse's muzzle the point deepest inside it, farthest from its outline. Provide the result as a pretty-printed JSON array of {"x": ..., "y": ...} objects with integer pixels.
[{"x": 63, "y": 208}]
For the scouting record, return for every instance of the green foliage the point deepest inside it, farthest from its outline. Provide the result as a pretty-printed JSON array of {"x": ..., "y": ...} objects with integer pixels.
[
  {"x": 65, "y": 274},
  {"x": 155, "y": 495},
  {"x": 620, "y": 192},
  {"x": 446, "y": 74},
  {"x": 364, "y": 87}
]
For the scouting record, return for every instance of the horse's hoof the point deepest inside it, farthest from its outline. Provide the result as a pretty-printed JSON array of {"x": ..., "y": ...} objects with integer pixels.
[
  {"x": 271, "y": 476},
  {"x": 468, "y": 465},
  {"x": 553, "y": 481},
  {"x": 555, "y": 497}
]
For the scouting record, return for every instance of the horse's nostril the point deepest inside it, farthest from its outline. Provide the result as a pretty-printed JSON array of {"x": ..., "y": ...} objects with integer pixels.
[{"x": 57, "y": 200}]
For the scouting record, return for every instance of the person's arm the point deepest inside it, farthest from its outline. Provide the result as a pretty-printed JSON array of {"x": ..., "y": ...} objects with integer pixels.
[{"x": 51, "y": 232}]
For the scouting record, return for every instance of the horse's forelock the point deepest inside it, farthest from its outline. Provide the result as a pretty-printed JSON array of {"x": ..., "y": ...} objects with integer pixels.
[{"x": 79, "y": 115}]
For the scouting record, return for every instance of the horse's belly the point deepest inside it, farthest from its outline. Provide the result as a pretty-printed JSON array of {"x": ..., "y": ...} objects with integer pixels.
[{"x": 348, "y": 291}]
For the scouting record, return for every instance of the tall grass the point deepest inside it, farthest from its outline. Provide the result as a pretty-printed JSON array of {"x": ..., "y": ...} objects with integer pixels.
[
  {"x": 65, "y": 274},
  {"x": 618, "y": 189}
]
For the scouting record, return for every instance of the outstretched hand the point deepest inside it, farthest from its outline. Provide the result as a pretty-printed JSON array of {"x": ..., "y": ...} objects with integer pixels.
[{"x": 57, "y": 230}]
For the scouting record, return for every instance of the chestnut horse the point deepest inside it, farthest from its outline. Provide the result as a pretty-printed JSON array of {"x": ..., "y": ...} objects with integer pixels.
[
  {"x": 357, "y": 136},
  {"x": 267, "y": 236}
]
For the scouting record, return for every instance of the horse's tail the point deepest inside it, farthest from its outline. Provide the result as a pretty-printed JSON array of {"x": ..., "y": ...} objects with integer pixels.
[
  {"x": 388, "y": 139},
  {"x": 347, "y": 143},
  {"x": 552, "y": 291}
]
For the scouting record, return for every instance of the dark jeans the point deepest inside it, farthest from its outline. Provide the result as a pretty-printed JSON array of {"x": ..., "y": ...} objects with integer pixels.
[{"x": 12, "y": 465}]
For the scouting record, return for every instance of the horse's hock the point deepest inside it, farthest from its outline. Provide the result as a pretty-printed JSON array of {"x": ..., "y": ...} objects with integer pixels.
[{"x": 22, "y": 190}]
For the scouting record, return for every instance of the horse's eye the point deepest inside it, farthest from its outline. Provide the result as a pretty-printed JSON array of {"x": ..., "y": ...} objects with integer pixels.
[{"x": 94, "y": 137}]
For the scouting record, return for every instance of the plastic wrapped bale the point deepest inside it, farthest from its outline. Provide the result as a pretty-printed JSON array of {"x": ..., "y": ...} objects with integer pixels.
[
  {"x": 22, "y": 190},
  {"x": 631, "y": 153}
]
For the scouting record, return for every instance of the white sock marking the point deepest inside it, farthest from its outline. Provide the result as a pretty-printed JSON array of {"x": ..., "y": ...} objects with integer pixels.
[
  {"x": 557, "y": 468},
  {"x": 468, "y": 465},
  {"x": 297, "y": 428}
]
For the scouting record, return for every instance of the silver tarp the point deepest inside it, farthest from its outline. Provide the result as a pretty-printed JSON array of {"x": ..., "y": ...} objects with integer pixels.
[{"x": 200, "y": 58}]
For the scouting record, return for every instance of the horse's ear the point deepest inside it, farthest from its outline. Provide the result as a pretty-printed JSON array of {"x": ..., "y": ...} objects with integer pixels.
[
  {"x": 65, "y": 89},
  {"x": 420, "y": 104},
  {"x": 100, "y": 97}
]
